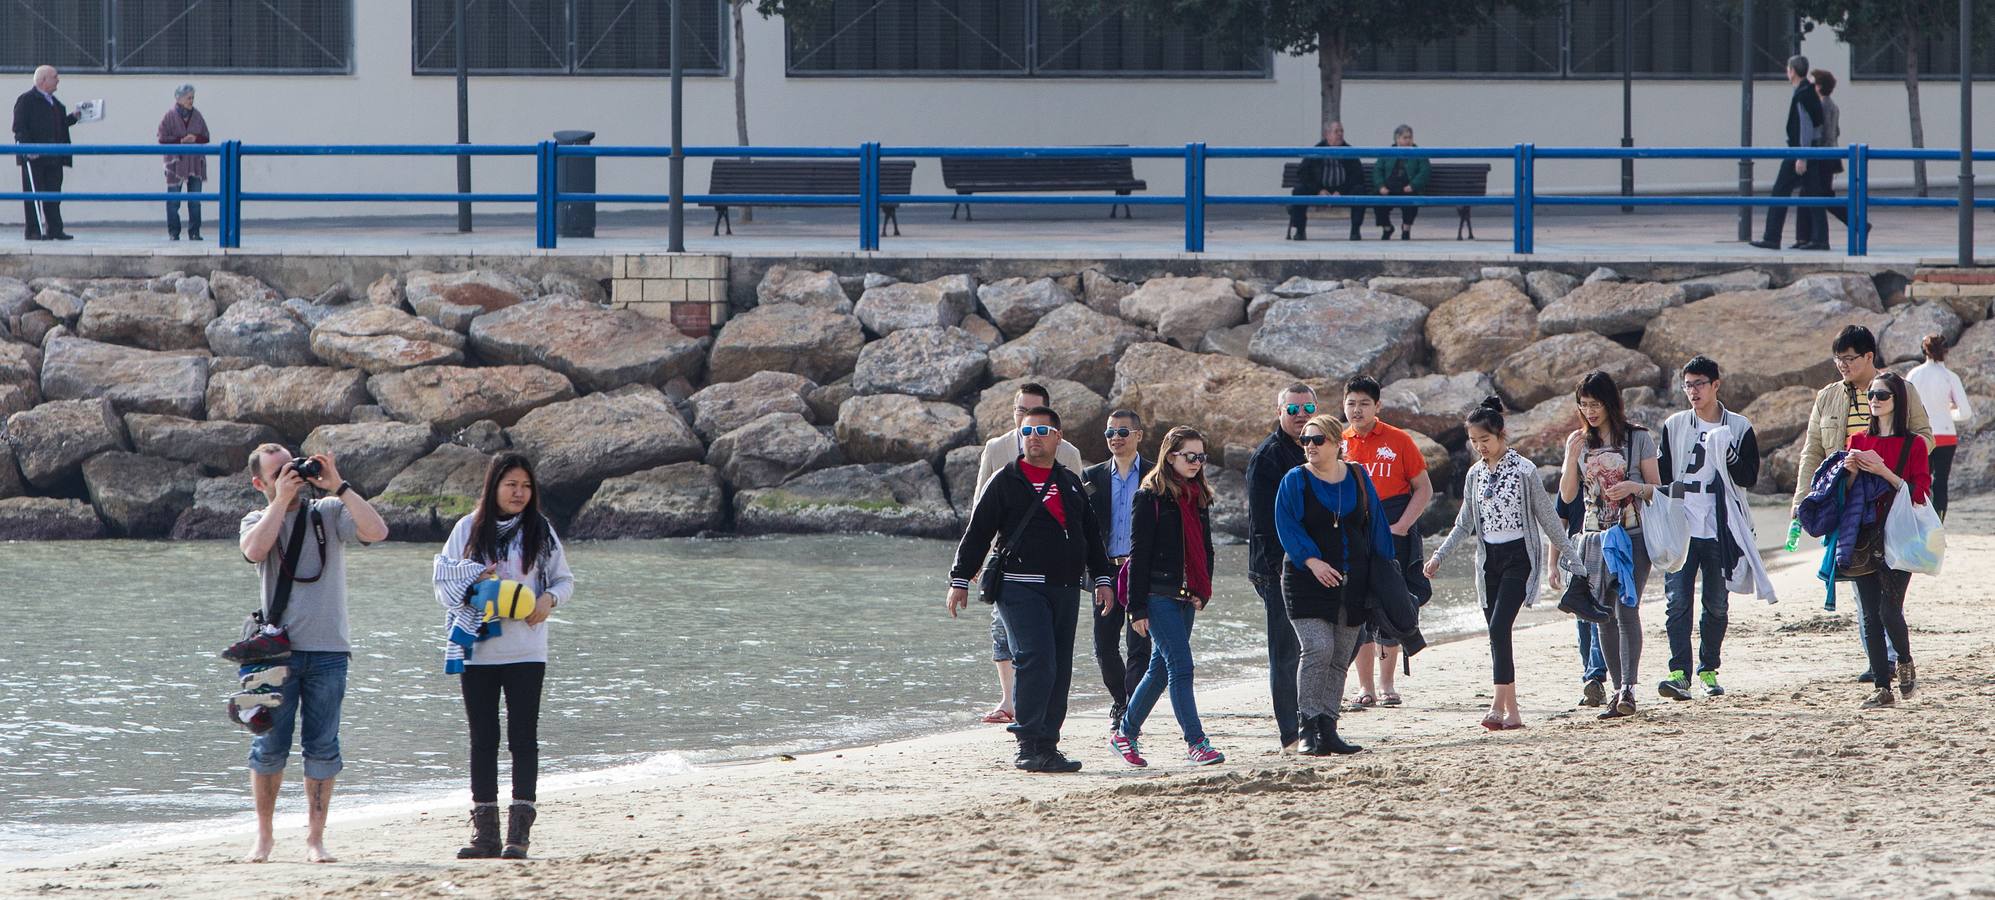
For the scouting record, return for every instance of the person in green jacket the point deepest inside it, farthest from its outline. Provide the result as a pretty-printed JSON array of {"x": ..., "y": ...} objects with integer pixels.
[{"x": 1400, "y": 175}]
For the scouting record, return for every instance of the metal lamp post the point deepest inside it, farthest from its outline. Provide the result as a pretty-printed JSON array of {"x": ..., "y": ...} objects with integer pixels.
[{"x": 676, "y": 241}]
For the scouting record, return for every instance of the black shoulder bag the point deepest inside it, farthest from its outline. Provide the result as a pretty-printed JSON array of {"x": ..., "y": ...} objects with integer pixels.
[
  {"x": 993, "y": 582},
  {"x": 248, "y": 648}
]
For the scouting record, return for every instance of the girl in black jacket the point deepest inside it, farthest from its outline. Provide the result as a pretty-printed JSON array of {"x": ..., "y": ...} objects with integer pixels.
[{"x": 1169, "y": 581}]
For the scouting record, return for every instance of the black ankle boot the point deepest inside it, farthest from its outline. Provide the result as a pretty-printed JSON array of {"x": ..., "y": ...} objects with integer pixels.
[
  {"x": 1326, "y": 729},
  {"x": 484, "y": 833},
  {"x": 1312, "y": 740},
  {"x": 519, "y": 829}
]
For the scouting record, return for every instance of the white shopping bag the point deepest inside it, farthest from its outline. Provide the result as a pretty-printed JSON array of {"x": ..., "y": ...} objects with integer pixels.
[
  {"x": 1666, "y": 532},
  {"x": 1914, "y": 539}
]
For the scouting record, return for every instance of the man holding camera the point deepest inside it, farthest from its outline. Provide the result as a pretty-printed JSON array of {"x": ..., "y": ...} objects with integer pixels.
[{"x": 314, "y": 620}]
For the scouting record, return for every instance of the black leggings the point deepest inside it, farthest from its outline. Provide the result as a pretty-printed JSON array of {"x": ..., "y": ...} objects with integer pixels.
[
  {"x": 1941, "y": 462},
  {"x": 521, "y": 684},
  {"x": 1506, "y": 567},
  {"x": 1882, "y": 594}
]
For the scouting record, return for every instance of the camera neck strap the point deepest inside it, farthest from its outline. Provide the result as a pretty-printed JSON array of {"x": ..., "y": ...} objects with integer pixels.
[{"x": 287, "y": 561}]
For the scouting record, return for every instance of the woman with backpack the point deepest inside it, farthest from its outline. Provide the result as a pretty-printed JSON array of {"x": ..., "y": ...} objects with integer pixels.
[{"x": 1169, "y": 580}]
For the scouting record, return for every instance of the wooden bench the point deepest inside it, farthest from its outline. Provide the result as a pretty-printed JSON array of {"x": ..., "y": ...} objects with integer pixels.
[
  {"x": 805, "y": 177},
  {"x": 966, "y": 175},
  {"x": 1443, "y": 180}
]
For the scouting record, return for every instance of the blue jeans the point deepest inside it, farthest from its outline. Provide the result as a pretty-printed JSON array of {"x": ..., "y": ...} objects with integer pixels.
[
  {"x": 1170, "y": 639},
  {"x": 1702, "y": 572},
  {"x": 1040, "y": 621},
  {"x": 317, "y": 683},
  {"x": 192, "y": 186},
  {"x": 1590, "y": 660},
  {"x": 1284, "y": 653}
]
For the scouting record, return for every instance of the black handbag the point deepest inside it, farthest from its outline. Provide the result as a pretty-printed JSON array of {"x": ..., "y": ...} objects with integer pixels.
[{"x": 992, "y": 585}]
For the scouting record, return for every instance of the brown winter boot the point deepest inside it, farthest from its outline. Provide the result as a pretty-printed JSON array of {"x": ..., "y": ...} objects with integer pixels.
[
  {"x": 484, "y": 833},
  {"x": 519, "y": 830}
]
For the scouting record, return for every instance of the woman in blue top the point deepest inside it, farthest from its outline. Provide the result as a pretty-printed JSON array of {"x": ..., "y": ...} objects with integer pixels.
[{"x": 1326, "y": 514}]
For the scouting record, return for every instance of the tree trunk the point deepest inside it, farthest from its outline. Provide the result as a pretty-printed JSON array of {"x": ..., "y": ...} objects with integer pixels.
[
  {"x": 1332, "y": 48},
  {"x": 1912, "y": 101},
  {"x": 741, "y": 90}
]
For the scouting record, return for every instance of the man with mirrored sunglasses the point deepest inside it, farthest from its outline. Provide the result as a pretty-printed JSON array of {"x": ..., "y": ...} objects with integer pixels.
[
  {"x": 1276, "y": 455},
  {"x": 1112, "y": 487}
]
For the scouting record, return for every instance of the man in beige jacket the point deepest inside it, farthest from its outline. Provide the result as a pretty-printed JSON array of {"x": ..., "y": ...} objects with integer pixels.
[{"x": 1000, "y": 451}]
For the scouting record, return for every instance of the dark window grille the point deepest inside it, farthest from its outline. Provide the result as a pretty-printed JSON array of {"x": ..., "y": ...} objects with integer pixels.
[
  {"x": 1117, "y": 43},
  {"x": 1939, "y": 56},
  {"x": 1673, "y": 39},
  {"x": 1508, "y": 43},
  {"x": 178, "y": 36},
  {"x": 634, "y": 36},
  {"x": 557, "y": 37}
]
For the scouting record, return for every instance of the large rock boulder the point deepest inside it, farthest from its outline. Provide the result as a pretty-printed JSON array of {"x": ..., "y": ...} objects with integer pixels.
[
  {"x": 1340, "y": 334},
  {"x": 1609, "y": 307},
  {"x": 1103, "y": 293},
  {"x": 134, "y": 380},
  {"x": 1763, "y": 340},
  {"x": 818, "y": 344},
  {"x": 11, "y": 484},
  {"x": 1230, "y": 513},
  {"x": 371, "y": 454},
  {"x": 1973, "y": 358},
  {"x": 930, "y": 363},
  {"x": 139, "y": 496},
  {"x": 721, "y": 408},
  {"x": 294, "y": 400},
  {"x": 679, "y": 500},
  {"x": 941, "y": 303},
  {"x": 16, "y": 298},
  {"x": 1973, "y": 469},
  {"x": 66, "y": 307},
  {"x": 1430, "y": 291},
  {"x": 266, "y": 332},
  {"x": 959, "y": 476},
  {"x": 48, "y": 519},
  {"x": 1083, "y": 413},
  {"x": 1546, "y": 286},
  {"x": 1014, "y": 305},
  {"x": 578, "y": 443},
  {"x": 598, "y": 349},
  {"x": 151, "y": 320},
  {"x": 20, "y": 377},
  {"x": 231, "y": 288},
  {"x": 1698, "y": 287},
  {"x": 1854, "y": 288},
  {"x": 885, "y": 499},
  {"x": 52, "y": 441},
  {"x": 1780, "y": 416},
  {"x": 771, "y": 450},
  {"x": 1539, "y": 433},
  {"x": 1489, "y": 321},
  {"x": 1182, "y": 310},
  {"x": 898, "y": 428},
  {"x": 1552, "y": 368},
  {"x": 1232, "y": 401},
  {"x": 217, "y": 509},
  {"x": 431, "y": 494},
  {"x": 1900, "y": 342},
  {"x": 782, "y": 284},
  {"x": 1304, "y": 286},
  {"x": 377, "y": 339},
  {"x": 1434, "y": 404},
  {"x": 1074, "y": 343},
  {"x": 453, "y": 299},
  {"x": 451, "y": 397},
  {"x": 565, "y": 284},
  {"x": 1778, "y": 470},
  {"x": 218, "y": 447}
]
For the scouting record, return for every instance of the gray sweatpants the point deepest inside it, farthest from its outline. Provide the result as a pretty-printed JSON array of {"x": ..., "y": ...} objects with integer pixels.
[
  {"x": 1327, "y": 649},
  {"x": 1621, "y": 636}
]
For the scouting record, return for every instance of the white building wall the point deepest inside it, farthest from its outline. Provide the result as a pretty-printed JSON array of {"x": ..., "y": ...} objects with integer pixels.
[{"x": 381, "y": 102}]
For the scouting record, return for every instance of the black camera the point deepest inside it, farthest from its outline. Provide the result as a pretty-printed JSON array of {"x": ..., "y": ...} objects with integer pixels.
[{"x": 307, "y": 467}]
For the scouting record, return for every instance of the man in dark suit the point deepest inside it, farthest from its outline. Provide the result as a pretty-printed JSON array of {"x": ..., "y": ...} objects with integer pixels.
[
  {"x": 1319, "y": 175},
  {"x": 39, "y": 118},
  {"x": 1111, "y": 486},
  {"x": 1804, "y": 128}
]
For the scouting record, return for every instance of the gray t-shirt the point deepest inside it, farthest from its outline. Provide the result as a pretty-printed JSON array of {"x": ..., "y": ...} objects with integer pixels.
[{"x": 316, "y": 615}]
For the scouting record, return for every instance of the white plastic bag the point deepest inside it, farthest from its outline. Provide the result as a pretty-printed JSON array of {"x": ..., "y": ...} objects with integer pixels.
[
  {"x": 1666, "y": 532},
  {"x": 1914, "y": 539}
]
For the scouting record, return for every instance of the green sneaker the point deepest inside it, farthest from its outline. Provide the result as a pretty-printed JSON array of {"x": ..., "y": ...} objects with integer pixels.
[
  {"x": 1711, "y": 686},
  {"x": 1676, "y": 687}
]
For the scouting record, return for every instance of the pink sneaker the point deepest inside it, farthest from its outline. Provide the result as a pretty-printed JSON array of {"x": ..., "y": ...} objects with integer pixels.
[
  {"x": 1126, "y": 748},
  {"x": 1202, "y": 754}
]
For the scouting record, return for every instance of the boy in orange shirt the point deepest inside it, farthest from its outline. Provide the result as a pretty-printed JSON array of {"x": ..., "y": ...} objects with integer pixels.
[{"x": 1399, "y": 473}]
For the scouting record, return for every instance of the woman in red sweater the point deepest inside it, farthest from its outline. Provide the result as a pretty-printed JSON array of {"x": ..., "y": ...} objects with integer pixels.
[{"x": 1891, "y": 451}]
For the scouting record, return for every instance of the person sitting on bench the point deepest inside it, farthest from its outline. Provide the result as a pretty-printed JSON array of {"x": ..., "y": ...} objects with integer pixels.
[{"x": 1322, "y": 175}]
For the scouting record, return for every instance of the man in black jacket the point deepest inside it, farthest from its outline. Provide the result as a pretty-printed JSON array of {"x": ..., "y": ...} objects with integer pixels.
[
  {"x": 1112, "y": 485},
  {"x": 1276, "y": 455},
  {"x": 1804, "y": 127},
  {"x": 1318, "y": 175},
  {"x": 1057, "y": 548},
  {"x": 39, "y": 118}
]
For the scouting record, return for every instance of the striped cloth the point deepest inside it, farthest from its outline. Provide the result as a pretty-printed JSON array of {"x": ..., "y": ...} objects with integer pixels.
[{"x": 453, "y": 577}]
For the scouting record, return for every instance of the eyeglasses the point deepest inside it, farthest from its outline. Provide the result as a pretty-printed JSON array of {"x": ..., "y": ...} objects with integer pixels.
[
  {"x": 1195, "y": 459},
  {"x": 1849, "y": 359},
  {"x": 1116, "y": 433},
  {"x": 1294, "y": 408},
  {"x": 1880, "y": 394},
  {"x": 1313, "y": 440},
  {"x": 1696, "y": 385},
  {"x": 1041, "y": 430}
]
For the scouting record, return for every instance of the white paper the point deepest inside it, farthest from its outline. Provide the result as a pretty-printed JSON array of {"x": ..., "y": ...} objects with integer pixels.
[{"x": 89, "y": 110}]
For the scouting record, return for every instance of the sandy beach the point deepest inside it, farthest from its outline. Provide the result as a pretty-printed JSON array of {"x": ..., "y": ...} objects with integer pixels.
[{"x": 1780, "y": 788}]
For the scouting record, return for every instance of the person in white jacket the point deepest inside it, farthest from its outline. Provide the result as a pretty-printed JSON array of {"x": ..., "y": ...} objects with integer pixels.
[{"x": 1946, "y": 406}]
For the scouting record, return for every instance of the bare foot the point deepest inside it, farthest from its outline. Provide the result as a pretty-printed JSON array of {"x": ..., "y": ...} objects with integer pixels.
[
  {"x": 316, "y": 853},
  {"x": 260, "y": 852}
]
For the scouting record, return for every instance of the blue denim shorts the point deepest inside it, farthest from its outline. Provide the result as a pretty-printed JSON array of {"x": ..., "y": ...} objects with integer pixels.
[
  {"x": 1000, "y": 639},
  {"x": 317, "y": 684}
]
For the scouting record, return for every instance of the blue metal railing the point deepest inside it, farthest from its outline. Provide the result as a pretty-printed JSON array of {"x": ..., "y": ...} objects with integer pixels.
[{"x": 546, "y": 197}]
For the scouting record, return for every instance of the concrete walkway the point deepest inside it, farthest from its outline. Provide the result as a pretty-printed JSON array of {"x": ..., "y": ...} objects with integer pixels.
[{"x": 1901, "y": 237}]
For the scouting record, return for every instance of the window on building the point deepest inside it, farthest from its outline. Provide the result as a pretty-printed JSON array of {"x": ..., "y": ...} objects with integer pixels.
[
  {"x": 550, "y": 37},
  {"x": 1939, "y": 57},
  {"x": 176, "y": 36},
  {"x": 1010, "y": 38},
  {"x": 1673, "y": 39},
  {"x": 1508, "y": 43}
]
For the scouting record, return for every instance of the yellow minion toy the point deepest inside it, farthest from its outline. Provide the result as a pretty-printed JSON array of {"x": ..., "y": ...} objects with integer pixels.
[{"x": 502, "y": 599}]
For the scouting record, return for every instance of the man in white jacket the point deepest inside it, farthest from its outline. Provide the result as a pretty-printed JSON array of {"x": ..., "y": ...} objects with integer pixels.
[{"x": 1709, "y": 456}]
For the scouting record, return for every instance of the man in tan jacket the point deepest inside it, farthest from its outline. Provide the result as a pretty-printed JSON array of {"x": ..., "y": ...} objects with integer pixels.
[{"x": 1000, "y": 451}]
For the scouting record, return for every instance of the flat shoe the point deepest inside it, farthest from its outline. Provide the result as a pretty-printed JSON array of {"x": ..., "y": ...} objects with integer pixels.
[
  {"x": 1492, "y": 722},
  {"x": 999, "y": 717},
  {"x": 1391, "y": 699}
]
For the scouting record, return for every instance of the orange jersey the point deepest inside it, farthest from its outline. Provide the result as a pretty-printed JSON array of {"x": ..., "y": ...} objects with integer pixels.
[{"x": 1389, "y": 457}]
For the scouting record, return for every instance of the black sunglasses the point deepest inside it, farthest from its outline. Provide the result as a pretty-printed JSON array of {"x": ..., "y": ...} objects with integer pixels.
[
  {"x": 1880, "y": 394},
  {"x": 1304, "y": 407},
  {"x": 1116, "y": 432},
  {"x": 1313, "y": 440},
  {"x": 1193, "y": 458}
]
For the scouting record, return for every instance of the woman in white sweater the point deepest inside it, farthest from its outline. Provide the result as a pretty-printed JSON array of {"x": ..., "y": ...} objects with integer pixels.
[
  {"x": 506, "y": 538},
  {"x": 1946, "y": 405}
]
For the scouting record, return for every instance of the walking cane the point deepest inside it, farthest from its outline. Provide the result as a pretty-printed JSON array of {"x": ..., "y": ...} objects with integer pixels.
[{"x": 41, "y": 216}]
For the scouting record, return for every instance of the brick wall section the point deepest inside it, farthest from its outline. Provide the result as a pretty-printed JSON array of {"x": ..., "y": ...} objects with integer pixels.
[{"x": 688, "y": 289}]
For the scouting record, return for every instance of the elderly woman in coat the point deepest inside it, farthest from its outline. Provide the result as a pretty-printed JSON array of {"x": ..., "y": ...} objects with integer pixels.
[{"x": 183, "y": 125}]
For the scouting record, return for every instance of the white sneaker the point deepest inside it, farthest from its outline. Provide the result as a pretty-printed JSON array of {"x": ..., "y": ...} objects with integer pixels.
[
  {"x": 252, "y": 699},
  {"x": 267, "y": 677}
]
